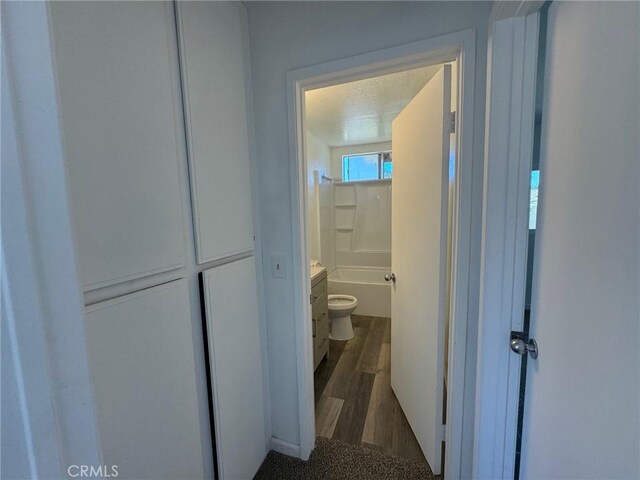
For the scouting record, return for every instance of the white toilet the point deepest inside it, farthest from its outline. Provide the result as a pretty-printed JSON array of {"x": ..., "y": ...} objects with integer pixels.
[{"x": 340, "y": 309}]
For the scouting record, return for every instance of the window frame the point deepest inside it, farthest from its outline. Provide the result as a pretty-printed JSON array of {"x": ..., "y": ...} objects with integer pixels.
[{"x": 381, "y": 162}]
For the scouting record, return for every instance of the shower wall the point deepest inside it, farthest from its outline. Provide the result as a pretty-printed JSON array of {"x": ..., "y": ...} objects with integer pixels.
[
  {"x": 363, "y": 223},
  {"x": 348, "y": 223}
]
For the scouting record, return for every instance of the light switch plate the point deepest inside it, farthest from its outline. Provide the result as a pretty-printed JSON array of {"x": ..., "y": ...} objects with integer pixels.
[{"x": 278, "y": 266}]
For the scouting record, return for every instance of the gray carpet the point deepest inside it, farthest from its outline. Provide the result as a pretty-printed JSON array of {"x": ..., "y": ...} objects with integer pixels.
[{"x": 335, "y": 460}]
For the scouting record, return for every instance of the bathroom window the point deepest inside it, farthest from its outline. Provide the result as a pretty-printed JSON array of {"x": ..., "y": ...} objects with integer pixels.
[{"x": 366, "y": 166}]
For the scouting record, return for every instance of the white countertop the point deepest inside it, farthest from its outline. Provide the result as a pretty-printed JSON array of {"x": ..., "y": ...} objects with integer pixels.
[{"x": 316, "y": 271}]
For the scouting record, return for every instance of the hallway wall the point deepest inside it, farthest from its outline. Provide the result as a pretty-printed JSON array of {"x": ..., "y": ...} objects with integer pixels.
[{"x": 285, "y": 36}]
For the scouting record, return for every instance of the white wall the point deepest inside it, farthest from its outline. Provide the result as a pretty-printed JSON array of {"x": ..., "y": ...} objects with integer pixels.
[
  {"x": 42, "y": 314},
  {"x": 338, "y": 152},
  {"x": 12, "y": 414},
  {"x": 582, "y": 415},
  {"x": 286, "y": 36},
  {"x": 318, "y": 160}
]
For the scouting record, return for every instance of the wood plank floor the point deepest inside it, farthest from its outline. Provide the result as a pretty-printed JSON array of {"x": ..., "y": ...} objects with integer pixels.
[{"x": 354, "y": 399}]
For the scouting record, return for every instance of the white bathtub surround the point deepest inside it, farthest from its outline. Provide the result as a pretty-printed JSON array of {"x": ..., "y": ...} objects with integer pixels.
[
  {"x": 372, "y": 226},
  {"x": 363, "y": 259},
  {"x": 363, "y": 223},
  {"x": 367, "y": 284},
  {"x": 363, "y": 245}
]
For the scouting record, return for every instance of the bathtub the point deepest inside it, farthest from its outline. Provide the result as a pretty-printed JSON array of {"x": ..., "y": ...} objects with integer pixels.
[{"x": 367, "y": 285}]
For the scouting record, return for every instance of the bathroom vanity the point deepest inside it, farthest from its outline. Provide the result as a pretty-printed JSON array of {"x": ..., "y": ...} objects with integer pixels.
[{"x": 319, "y": 314}]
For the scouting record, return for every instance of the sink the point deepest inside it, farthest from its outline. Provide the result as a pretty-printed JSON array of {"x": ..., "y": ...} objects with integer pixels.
[{"x": 316, "y": 270}]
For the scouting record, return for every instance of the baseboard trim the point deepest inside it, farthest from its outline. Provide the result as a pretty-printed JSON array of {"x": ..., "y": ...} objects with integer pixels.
[{"x": 284, "y": 447}]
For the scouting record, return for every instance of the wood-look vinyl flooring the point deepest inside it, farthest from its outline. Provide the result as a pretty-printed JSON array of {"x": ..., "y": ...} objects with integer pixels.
[{"x": 354, "y": 399}]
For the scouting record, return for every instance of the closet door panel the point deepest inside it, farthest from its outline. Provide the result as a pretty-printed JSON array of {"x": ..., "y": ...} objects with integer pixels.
[
  {"x": 142, "y": 366},
  {"x": 233, "y": 329},
  {"x": 213, "y": 62},
  {"x": 120, "y": 97}
]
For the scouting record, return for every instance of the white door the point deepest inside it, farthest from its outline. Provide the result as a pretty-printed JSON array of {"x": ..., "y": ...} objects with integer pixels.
[
  {"x": 235, "y": 356},
  {"x": 583, "y": 391},
  {"x": 420, "y": 142},
  {"x": 211, "y": 34},
  {"x": 140, "y": 350}
]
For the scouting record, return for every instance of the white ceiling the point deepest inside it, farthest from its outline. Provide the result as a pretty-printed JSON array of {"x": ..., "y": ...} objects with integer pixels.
[{"x": 361, "y": 112}]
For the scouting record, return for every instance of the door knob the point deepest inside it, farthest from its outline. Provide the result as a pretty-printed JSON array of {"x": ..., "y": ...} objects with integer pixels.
[
  {"x": 390, "y": 278},
  {"x": 521, "y": 347}
]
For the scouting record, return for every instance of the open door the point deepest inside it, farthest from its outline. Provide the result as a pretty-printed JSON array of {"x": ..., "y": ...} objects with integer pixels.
[
  {"x": 420, "y": 139},
  {"x": 581, "y": 413}
]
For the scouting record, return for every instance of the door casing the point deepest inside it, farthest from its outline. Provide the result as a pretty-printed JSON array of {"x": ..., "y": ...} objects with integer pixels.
[{"x": 460, "y": 47}]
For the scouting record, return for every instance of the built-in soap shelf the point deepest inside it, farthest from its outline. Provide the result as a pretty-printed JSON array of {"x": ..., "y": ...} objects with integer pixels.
[
  {"x": 362, "y": 220},
  {"x": 345, "y": 203}
]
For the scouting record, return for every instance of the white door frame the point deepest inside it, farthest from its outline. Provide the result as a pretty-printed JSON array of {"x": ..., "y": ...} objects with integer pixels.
[
  {"x": 512, "y": 60},
  {"x": 458, "y": 46}
]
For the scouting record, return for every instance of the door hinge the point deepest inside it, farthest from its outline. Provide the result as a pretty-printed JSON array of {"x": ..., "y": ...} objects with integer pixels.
[
  {"x": 443, "y": 433},
  {"x": 452, "y": 122}
]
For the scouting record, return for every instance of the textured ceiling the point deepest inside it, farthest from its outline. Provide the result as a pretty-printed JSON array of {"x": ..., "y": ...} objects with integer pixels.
[{"x": 361, "y": 112}]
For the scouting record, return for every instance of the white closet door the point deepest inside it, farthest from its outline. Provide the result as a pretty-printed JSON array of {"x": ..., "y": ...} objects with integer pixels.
[
  {"x": 119, "y": 97},
  {"x": 142, "y": 366},
  {"x": 213, "y": 58},
  {"x": 233, "y": 328}
]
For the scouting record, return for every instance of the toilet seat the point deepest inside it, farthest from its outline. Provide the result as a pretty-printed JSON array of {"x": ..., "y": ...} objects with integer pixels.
[{"x": 338, "y": 303}]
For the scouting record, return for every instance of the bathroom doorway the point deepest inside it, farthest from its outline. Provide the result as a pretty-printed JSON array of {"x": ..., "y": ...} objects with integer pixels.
[
  {"x": 358, "y": 205},
  {"x": 351, "y": 390}
]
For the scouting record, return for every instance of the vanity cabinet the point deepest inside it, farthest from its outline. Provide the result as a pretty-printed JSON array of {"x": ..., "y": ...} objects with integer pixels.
[{"x": 319, "y": 318}]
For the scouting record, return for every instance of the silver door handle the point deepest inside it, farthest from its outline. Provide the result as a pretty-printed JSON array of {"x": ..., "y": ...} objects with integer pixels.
[
  {"x": 390, "y": 278},
  {"x": 521, "y": 347}
]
